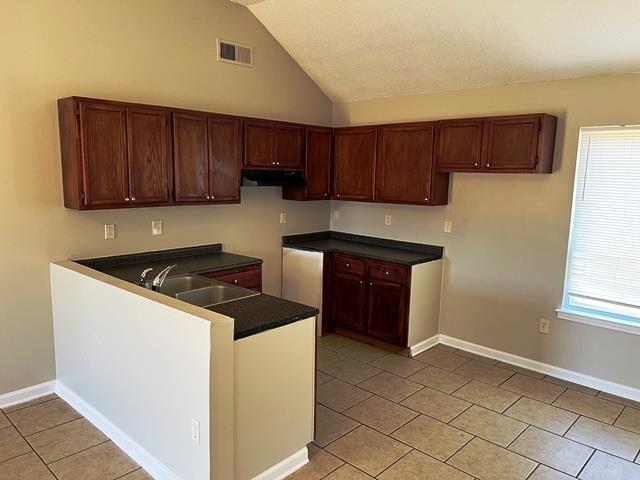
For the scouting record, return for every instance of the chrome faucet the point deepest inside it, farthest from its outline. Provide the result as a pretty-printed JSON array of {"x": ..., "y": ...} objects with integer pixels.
[
  {"x": 160, "y": 278},
  {"x": 143, "y": 276}
]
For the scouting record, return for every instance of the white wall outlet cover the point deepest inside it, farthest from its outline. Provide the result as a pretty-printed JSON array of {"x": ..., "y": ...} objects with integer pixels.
[
  {"x": 283, "y": 217},
  {"x": 387, "y": 219},
  {"x": 109, "y": 231},
  {"x": 336, "y": 214},
  {"x": 156, "y": 227},
  {"x": 195, "y": 431},
  {"x": 447, "y": 226},
  {"x": 544, "y": 326}
]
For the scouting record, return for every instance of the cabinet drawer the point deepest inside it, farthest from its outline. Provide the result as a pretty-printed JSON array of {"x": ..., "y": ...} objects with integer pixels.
[
  {"x": 348, "y": 264},
  {"x": 247, "y": 278},
  {"x": 388, "y": 272}
]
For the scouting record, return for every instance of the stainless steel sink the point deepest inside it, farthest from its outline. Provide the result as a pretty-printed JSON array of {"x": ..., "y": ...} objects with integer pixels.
[
  {"x": 182, "y": 283},
  {"x": 215, "y": 295},
  {"x": 201, "y": 291}
]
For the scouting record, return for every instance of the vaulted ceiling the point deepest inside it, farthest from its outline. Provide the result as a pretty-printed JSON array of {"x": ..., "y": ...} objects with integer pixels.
[{"x": 358, "y": 49}]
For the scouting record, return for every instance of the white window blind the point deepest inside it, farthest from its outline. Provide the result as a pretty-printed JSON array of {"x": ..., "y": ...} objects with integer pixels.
[{"x": 603, "y": 266}]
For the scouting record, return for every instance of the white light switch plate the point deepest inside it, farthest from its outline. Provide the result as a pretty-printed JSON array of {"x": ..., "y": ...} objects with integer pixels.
[
  {"x": 336, "y": 214},
  {"x": 109, "y": 231},
  {"x": 447, "y": 226},
  {"x": 195, "y": 431},
  {"x": 387, "y": 220},
  {"x": 283, "y": 217},
  {"x": 156, "y": 227}
]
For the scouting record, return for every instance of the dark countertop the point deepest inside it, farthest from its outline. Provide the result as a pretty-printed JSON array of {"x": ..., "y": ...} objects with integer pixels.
[
  {"x": 261, "y": 313},
  {"x": 251, "y": 315},
  {"x": 406, "y": 253},
  {"x": 201, "y": 259}
]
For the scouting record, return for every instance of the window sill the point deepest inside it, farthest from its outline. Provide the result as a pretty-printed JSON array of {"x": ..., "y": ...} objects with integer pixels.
[{"x": 599, "y": 321}]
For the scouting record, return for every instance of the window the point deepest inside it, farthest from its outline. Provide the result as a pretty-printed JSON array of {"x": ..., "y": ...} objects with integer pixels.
[{"x": 602, "y": 282}]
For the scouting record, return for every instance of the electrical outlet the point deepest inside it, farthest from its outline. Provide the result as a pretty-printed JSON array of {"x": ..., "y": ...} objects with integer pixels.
[
  {"x": 544, "y": 326},
  {"x": 283, "y": 217},
  {"x": 387, "y": 220},
  {"x": 195, "y": 431},
  {"x": 336, "y": 214},
  {"x": 447, "y": 226},
  {"x": 109, "y": 231},
  {"x": 156, "y": 227}
]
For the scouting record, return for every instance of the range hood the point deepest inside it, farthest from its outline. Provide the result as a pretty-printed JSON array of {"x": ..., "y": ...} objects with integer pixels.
[{"x": 272, "y": 178}]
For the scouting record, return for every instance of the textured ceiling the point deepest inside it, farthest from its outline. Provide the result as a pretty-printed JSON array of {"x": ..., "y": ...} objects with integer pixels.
[{"x": 358, "y": 49}]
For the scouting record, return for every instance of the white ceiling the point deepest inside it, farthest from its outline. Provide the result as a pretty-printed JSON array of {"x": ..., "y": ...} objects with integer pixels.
[{"x": 358, "y": 49}]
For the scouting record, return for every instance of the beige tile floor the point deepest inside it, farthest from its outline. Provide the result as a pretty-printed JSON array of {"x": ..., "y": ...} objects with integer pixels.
[
  {"x": 46, "y": 439},
  {"x": 447, "y": 414},
  {"x": 453, "y": 415}
]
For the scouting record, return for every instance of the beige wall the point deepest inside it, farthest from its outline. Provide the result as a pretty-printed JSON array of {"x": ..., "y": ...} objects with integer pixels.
[
  {"x": 153, "y": 51},
  {"x": 506, "y": 255}
]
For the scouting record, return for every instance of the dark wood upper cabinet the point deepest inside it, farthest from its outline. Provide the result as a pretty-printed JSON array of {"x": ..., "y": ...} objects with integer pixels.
[
  {"x": 317, "y": 166},
  {"x": 405, "y": 168},
  {"x": 521, "y": 143},
  {"x": 114, "y": 154},
  {"x": 190, "y": 158},
  {"x": 507, "y": 144},
  {"x": 259, "y": 144},
  {"x": 272, "y": 145},
  {"x": 289, "y": 146},
  {"x": 148, "y": 142},
  {"x": 224, "y": 158},
  {"x": 354, "y": 163},
  {"x": 459, "y": 145},
  {"x": 103, "y": 134}
]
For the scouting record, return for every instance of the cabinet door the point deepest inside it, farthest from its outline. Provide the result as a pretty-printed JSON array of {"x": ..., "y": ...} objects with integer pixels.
[
  {"x": 348, "y": 301},
  {"x": 224, "y": 159},
  {"x": 259, "y": 144},
  {"x": 511, "y": 143},
  {"x": 148, "y": 139},
  {"x": 386, "y": 313},
  {"x": 289, "y": 146},
  {"x": 103, "y": 133},
  {"x": 354, "y": 163},
  {"x": 191, "y": 165},
  {"x": 318, "y": 163},
  {"x": 459, "y": 145},
  {"x": 404, "y": 164}
]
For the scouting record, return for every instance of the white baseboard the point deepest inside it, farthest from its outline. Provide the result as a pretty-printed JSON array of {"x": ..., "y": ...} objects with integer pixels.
[
  {"x": 569, "y": 375},
  {"x": 286, "y": 467},
  {"x": 423, "y": 345},
  {"x": 142, "y": 457},
  {"x": 26, "y": 394}
]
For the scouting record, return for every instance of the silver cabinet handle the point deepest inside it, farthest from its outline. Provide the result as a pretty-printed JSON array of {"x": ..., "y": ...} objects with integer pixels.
[
  {"x": 126, "y": 199},
  {"x": 386, "y": 273},
  {"x": 475, "y": 164},
  {"x": 235, "y": 281},
  {"x": 133, "y": 199},
  {"x": 338, "y": 195},
  {"x": 371, "y": 284},
  {"x": 208, "y": 197},
  {"x": 488, "y": 164},
  {"x": 348, "y": 265},
  {"x": 212, "y": 197},
  {"x": 361, "y": 282},
  {"x": 326, "y": 194}
]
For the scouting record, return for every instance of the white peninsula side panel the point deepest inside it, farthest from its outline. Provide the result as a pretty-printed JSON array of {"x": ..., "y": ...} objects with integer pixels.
[{"x": 138, "y": 365}]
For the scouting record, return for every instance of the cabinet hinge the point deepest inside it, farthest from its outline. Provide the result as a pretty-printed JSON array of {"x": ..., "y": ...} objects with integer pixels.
[
  {"x": 78, "y": 111},
  {"x": 81, "y": 195}
]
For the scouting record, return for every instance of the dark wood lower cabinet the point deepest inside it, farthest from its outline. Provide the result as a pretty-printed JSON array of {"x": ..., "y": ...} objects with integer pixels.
[
  {"x": 349, "y": 301},
  {"x": 371, "y": 299},
  {"x": 386, "y": 311},
  {"x": 247, "y": 277}
]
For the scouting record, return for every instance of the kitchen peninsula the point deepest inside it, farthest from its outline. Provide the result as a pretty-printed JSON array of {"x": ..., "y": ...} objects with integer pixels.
[{"x": 201, "y": 391}]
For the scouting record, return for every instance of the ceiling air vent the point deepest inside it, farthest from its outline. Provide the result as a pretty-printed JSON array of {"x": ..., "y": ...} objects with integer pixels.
[{"x": 235, "y": 53}]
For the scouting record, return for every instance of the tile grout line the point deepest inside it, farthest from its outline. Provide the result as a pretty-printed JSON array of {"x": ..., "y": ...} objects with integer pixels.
[
  {"x": 587, "y": 462},
  {"x": 32, "y": 450}
]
